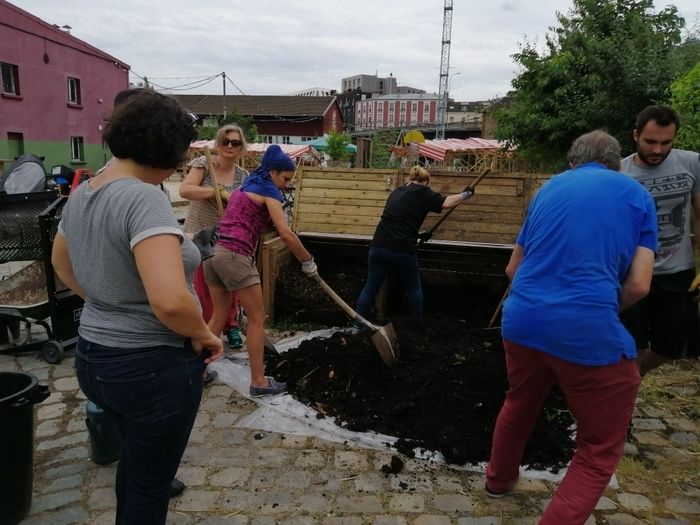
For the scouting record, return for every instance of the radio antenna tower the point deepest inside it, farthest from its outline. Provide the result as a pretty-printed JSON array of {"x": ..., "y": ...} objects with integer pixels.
[{"x": 444, "y": 71}]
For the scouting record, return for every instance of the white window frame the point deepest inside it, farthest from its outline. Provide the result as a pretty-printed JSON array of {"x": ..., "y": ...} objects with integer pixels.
[
  {"x": 10, "y": 78},
  {"x": 74, "y": 95},
  {"x": 77, "y": 149}
]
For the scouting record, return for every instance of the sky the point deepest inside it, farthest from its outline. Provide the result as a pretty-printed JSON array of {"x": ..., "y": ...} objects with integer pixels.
[{"x": 277, "y": 47}]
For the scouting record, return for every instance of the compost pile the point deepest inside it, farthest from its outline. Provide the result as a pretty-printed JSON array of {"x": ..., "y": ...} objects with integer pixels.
[{"x": 443, "y": 395}]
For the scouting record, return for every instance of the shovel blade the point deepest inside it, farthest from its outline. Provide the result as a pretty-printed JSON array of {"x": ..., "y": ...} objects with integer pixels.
[{"x": 385, "y": 342}]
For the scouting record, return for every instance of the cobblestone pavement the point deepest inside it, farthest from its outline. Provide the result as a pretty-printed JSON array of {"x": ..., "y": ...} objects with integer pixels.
[{"x": 243, "y": 476}]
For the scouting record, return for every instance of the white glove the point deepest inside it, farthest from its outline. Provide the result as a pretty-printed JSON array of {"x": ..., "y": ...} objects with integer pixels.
[
  {"x": 309, "y": 267},
  {"x": 467, "y": 194}
]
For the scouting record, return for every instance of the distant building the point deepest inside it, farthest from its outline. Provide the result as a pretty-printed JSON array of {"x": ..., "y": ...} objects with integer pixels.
[
  {"x": 369, "y": 84},
  {"x": 279, "y": 119},
  {"x": 56, "y": 92},
  {"x": 396, "y": 111},
  {"x": 314, "y": 92}
]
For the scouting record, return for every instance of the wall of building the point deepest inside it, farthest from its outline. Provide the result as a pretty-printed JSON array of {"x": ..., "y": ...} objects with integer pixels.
[
  {"x": 395, "y": 112},
  {"x": 41, "y": 114}
]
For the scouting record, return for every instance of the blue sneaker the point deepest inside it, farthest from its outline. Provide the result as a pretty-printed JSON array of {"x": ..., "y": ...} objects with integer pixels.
[
  {"x": 234, "y": 338},
  {"x": 273, "y": 388}
]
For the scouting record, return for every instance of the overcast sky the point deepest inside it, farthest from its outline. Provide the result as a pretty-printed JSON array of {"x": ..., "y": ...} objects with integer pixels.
[{"x": 276, "y": 47}]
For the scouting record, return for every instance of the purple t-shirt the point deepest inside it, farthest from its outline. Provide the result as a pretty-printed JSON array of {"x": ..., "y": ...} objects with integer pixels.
[{"x": 242, "y": 224}]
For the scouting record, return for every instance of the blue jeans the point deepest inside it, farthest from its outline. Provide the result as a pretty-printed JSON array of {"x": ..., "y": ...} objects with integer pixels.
[
  {"x": 154, "y": 395},
  {"x": 380, "y": 263}
]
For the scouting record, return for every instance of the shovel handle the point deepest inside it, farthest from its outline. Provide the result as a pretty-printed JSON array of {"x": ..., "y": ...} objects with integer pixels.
[{"x": 339, "y": 301}]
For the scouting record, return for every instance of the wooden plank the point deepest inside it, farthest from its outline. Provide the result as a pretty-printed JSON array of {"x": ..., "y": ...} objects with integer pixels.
[
  {"x": 346, "y": 194},
  {"x": 355, "y": 203},
  {"x": 338, "y": 229},
  {"x": 362, "y": 176},
  {"x": 316, "y": 169},
  {"x": 371, "y": 185},
  {"x": 372, "y": 211},
  {"x": 329, "y": 218}
]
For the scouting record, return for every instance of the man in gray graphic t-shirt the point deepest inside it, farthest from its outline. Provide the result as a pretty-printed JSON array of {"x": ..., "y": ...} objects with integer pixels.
[{"x": 665, "y": 323}]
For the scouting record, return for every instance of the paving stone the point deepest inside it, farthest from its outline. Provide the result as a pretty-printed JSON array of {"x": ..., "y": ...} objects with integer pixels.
[
  {"x": 298, "y": 520},
  {"x": 240, "y": 500},
  {"x": 407, "y": 503},
  {"x": 192, "y": 476},
  {"x": 310, "y": 458},
  {"x": 69, "y": 516},
  {"x": 682, "y": 506},
  {"x": 55, "y": 500},
  {"x": 388, "y": 520},
  {"x": 63, "y": 470},
  {"x": 530, "y": 485},
  {"x": 223, "y": 520},
  {"x": 350, "y": 520},
  {"x": 606, "y": 504},
  {"x": 682, "y": 391},
  {"x": 263, "y": 478},
  {"x": 361, "y": 504},
  {"x": 483, "y": 520},
  {"x": 349, "y": 460},
  {"x": 103, "y": 498},
  {"x": 683, "y": 439},
  {"x": 590, "y": 521},
  {"x": 452, "y": 503},
  {"x": 635, "y": 502},
  {"x": 66, "y": 384},
  {"x": 671, "y": 521},
  {"x": 622, "y": 519},
  {"x": 214, "y": 405},
  {"x": 218, "y": 391},
  {"x": 47, "y": 428},
  {"x": 76, "y": 425},
  {"x": 70, "y": 454},
  {"x": 315, "y": 504},
  {"x": 197, "y": 500},
  {"x": 294, "y": 479},
  {"x": 50, "y": 411},
  {"x": 681, "y": 424},
  {"x": 266, "y": 439},
  {"x": 428, "y": 519},
  {"x": 650, "y": 438},
  {"x": 447, "y": 483},
  {"x": 272, "y": 457},
  {"x": 263, "y": 520},
  {"x": 198, "y": 436},
  {"x": 106, "y": 518},
  {"x": 411, "y": 482},
  {"x": 63, "y": 370},
  {"x": 677, "y": 455},
  {"x": 230, "y": 476},
  {"x": 224, "y": 420},
  {"x": 647, "y": 424},
  {"x": 103, "y": 475},
  {"x": 276, "y": 502},
  {"x": 293, "y": 441},
  {"x": 69, "y": 482},
  {"x": 202, "y": 420},
  {"x": 653, "y": 411},
  {"x": 65, "y": 441}
]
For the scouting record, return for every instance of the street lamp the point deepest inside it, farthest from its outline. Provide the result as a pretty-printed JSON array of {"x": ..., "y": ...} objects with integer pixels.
[{"x": 449, "y": 81}]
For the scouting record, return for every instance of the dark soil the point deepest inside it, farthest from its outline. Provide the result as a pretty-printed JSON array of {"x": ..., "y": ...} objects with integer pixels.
[{"x": 443, "y": 395}]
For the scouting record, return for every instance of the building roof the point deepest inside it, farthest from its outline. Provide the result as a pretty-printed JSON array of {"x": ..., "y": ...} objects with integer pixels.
[
  {"x": 29, "y": 24},
  {"x": 258, "y": 105}
]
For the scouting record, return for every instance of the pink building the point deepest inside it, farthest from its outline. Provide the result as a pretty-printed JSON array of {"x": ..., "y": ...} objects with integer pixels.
[
  {"x": 55, "y": 93},
  {"x": 410, "y": 110}
]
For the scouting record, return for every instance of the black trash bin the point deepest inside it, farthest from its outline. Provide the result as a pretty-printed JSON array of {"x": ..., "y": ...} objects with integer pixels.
[{"x": 19, "y": 392}]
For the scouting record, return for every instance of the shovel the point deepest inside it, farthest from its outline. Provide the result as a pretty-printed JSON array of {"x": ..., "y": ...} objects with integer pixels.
[{"x": 383, "y": 337}]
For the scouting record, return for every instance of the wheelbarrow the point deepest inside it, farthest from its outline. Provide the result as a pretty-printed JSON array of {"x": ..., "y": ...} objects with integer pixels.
[{"x": 383, "y": 337}]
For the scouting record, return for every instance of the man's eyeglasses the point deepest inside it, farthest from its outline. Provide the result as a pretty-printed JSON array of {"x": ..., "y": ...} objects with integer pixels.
[{"x": 233, "y": 142}]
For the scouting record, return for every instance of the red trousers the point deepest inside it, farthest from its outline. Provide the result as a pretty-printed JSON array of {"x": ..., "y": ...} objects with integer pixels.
[
  {"x": 601, "y": 398},
  {"x": 202, "y": 290}
]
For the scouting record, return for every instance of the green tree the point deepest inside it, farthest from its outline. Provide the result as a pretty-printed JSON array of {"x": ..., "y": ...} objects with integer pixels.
[
  {"x": 381, "y": 152},
  {"x": 336, "y": 146},
  {"x": 246, "y": 123},
  {"x": 685, "y": 99},
  {"x": 606, "y": 61}
]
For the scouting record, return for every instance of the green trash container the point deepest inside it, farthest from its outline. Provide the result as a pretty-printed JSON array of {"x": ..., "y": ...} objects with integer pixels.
[{"x": 19, "y": 392}]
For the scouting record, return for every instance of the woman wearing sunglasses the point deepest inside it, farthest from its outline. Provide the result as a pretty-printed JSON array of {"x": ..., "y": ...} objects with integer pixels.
[{"x": 198, "y": 187}]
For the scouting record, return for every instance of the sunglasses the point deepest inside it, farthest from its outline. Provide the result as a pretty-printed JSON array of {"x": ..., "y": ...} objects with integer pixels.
[
  {"x": 233, "y": 142},
  {"x": 193, "y": 118}
]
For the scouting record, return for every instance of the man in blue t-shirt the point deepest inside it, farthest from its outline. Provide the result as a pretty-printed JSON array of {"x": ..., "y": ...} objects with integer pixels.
[{"x": 585, "y": 251}]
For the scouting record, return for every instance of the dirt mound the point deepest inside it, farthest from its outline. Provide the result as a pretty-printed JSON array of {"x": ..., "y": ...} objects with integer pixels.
[{"x": 443, "y": 395}]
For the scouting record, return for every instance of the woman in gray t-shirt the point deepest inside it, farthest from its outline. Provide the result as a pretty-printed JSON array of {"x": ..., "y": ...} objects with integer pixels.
[{"x": 141, "y": 336}]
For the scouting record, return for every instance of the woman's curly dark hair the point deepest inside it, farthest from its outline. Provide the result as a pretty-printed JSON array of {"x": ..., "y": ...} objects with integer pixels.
[{"x": 151, "y": 129}]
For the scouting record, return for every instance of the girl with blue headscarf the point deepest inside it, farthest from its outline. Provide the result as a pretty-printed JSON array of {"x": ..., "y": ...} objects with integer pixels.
[{"x": 250, "y": 209}]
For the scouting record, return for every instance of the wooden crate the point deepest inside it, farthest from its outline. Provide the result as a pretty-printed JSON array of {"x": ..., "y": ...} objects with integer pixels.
[{"x": 274, "y": 256}]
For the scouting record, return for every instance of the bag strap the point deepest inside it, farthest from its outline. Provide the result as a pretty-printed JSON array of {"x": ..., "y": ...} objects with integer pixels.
[{"x": 217, "y": 195}]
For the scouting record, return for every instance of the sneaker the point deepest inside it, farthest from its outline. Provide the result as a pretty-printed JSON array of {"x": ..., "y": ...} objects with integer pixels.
[
  {"x": 492, "y": 493},
  {"x": 176, "y": 488},
  {"x": 273, "y": 388},
  {"x": 234, "y": 338}
]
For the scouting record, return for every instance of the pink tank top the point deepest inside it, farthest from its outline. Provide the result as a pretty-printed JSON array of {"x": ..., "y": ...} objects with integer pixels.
[{"x": 242, "y": 224}]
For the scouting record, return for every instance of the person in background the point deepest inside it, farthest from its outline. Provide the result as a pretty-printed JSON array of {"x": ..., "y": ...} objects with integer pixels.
[
  {"x": 232, "y": 267},
  {"x": 143, "y": 344},
  {"x": 664, "y": 323},
  {"x": 561, "y": 324},
  {"x": 198, "y": 187},
  {"x": 393, "y": 247}
]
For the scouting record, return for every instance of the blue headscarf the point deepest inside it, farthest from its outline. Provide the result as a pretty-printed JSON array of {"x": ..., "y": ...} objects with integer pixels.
[{"x": 259, "y": 181}]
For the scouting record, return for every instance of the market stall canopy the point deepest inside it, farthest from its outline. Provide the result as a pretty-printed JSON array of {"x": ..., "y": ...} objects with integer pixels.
[
  {"x": 442, "y": 150},
  {"x": 321, "y": 144},
  {"x": 257, "y": 148}
]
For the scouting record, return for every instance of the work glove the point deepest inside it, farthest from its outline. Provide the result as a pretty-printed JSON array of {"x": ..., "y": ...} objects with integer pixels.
[
  {"x": 467, "y": 193},
  {"x": 694, "y": 288},
  {"x": 309, "y": 267},
  {"x": 425, "y": 235},
  {"x": 224, "y": 193}
]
